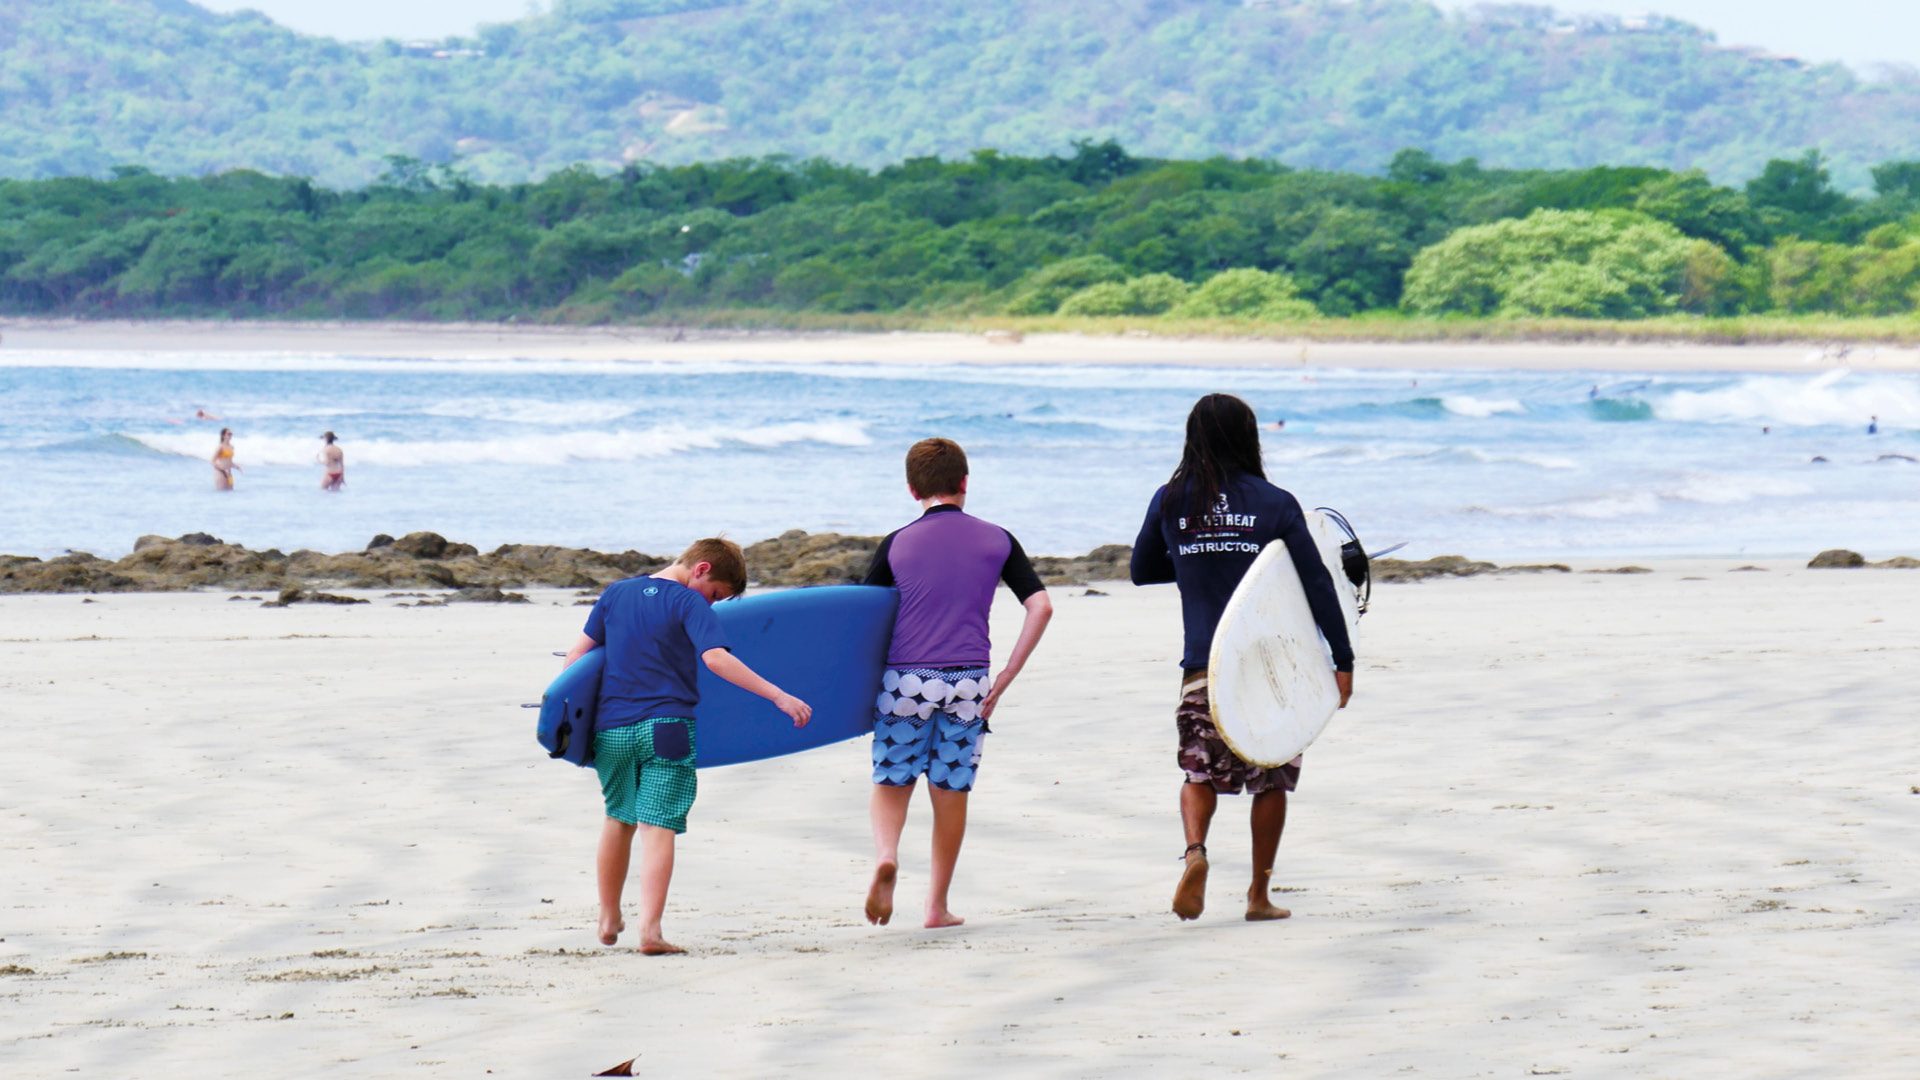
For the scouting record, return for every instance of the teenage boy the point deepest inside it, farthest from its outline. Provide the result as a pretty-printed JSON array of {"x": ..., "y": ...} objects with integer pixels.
[
  {"x": 938, "y": 693},
  {"x": 656, "y": 630}
]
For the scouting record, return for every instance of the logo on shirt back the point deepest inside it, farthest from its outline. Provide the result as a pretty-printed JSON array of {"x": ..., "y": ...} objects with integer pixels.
[
  {"x": 651, "y": 590},
  {"x": 1220, "y": 532}
]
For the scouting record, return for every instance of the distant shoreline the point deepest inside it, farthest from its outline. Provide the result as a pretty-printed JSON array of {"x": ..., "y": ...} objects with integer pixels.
[{"x": 1109, "y": 342}]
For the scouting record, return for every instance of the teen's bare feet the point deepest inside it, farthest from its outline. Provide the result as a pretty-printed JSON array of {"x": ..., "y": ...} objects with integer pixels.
[
  {"x": 941, "y": 919},
  {"x": 880, "y": 893},
  {"x": 1261, "y": 909},
  {"x": 659, "y": 947},
  {"x": 610, "y": 929},
  {"x": 1190, "y": 896}
]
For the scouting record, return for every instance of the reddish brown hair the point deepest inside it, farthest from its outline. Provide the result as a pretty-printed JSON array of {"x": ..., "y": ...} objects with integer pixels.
[
  {"x": 728, "y": 562},
  {"x": 935, "y": 467}
]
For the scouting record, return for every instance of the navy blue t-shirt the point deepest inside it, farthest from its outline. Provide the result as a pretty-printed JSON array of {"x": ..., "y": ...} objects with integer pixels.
[
  {"x": 1209, "y": 554},
  {"x": 654, "y": 631}
]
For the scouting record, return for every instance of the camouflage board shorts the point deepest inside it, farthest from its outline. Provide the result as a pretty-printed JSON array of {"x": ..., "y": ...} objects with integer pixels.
[{"x": 1207, "y": 759}]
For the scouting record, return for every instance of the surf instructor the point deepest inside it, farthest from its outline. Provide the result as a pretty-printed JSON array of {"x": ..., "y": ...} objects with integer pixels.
[{"x": 1204, "y": 527}]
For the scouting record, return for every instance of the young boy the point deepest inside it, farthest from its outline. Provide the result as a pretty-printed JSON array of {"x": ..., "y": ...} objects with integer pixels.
[
  {"x": 937, "y": 694},
  {"x": 654, "y": 630}
]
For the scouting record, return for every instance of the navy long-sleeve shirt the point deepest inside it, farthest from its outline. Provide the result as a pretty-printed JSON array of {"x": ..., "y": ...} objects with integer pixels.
[{"x": 1207, "y": 556}]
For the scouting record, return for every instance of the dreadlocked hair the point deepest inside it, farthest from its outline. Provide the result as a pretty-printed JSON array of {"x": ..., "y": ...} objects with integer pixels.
[{"x": 1223, "y": 441}]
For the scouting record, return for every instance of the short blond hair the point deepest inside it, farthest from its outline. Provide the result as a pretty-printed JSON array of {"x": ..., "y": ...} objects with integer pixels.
[{"x": 728, "y": 562}]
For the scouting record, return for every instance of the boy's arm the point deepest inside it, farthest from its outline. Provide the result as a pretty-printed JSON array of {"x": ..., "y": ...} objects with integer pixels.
[
  {"x": 581, "y": 647},
  {"x": 1039, "y": 612},
  {"x": 880, "y": 571},
  {"x": 729, "y": 667}
]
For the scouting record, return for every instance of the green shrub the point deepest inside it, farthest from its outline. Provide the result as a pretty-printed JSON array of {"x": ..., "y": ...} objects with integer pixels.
[
  {"x": 1246, "y": 293},
  {"x": 1151, "y": 294}
]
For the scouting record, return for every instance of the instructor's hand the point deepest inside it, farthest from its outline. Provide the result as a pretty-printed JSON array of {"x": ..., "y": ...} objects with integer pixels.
[
  {"x": 798, "y": 711},
  {"x": 1344, "y": 680}
]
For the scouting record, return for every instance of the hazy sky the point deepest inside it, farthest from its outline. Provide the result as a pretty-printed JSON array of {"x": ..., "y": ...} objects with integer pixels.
[{"x": 1860, "y": 32}]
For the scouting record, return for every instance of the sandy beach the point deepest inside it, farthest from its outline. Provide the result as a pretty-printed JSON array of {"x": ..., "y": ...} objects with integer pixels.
[
  {"x": 1575, "y": 824},
  {"x": 492, "y": 341}
]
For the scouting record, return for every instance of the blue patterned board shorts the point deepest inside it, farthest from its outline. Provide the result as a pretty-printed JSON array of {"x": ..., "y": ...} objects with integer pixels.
[
  {"x": 927, "y": 720},
  {"x": 641, "y": 787}
]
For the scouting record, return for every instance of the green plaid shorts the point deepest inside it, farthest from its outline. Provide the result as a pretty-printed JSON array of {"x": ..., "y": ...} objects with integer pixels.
[{"x": 640, "y": 788}]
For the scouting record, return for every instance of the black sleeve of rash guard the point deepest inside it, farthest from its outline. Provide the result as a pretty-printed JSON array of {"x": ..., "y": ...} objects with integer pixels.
[
  {"x": 1018, "y": 572},
  {"x": 880, "y": 572},
  {"x": 1318, "y": 584}
]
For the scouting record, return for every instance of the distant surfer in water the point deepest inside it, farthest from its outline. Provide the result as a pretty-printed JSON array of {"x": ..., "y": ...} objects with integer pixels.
[
  {"x": 1873, "y": 425},
  {"x": 223, "y": 466},
  {"x": 334, "y": 463},
  {"x": 937, "y": 693},
  {"x": 1203, "y": 529},
  {"x": 657, "y": 631}
]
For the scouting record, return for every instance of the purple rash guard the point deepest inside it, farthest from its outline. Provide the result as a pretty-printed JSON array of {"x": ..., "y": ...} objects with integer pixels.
[{"x": 946, "y": 565}]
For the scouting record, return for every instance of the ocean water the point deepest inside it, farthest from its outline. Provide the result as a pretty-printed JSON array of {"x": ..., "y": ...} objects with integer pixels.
[{"x": 100, "y": 449}]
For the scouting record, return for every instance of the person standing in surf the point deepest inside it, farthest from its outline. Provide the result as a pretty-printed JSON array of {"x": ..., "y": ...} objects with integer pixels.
[
  {"x": 223, "y": 466},
  {"x": 1203, "y": 529},
  {"x": 937, "y": 693},
  {"x": 333, "y": 461}
]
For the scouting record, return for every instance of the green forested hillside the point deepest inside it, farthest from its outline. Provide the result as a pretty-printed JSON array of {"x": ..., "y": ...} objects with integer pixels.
[
  {"x": 1337, "y": 84},
  {"x": 1098, "y": 232}
]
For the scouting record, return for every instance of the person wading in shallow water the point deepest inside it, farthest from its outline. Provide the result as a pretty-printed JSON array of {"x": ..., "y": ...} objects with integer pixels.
[
  {"x": 1203, "y": 529},
  {"x": 223, "y": 466},
  {"x": 334, "y": 461}
]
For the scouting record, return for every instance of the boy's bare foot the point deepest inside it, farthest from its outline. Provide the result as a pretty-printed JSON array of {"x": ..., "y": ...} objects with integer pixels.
[
  {"x": 880, "y": 893},
  {"x": 940, "y": 920},
  {"x": 1261, "y": 909},
  {"x": 1190, "y": 897},
  {"x": 659, "y": 947},
  {"x": 611, "y": 929}
]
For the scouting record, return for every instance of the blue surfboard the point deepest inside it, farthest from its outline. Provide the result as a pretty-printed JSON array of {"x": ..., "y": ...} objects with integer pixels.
[
  {"x": 825, "y": 645},
  {"x": 568, "y": 709}
]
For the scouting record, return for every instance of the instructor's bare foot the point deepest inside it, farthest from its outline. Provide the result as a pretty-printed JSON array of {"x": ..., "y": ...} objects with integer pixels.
[
  {"x": 880, "y": 893},
  {"x": 941, "y": 918},
  {"x": 1190, "y": 898},
  {"x": 610, "y": 929},
  {"x": 659, "y": 947},
  {"x": 1261, "y": 909}
]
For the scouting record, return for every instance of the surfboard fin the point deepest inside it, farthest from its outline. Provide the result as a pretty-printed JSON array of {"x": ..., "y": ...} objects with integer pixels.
[{"x": 1354, "y": 560}]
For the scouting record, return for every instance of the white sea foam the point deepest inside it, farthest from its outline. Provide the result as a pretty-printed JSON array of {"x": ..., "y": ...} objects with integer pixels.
[
  {"x": 1834, "y": 398},
  {"x": 1480, "y": 408},
  {"x": 555, "y": 448},
  {"x": 1703, "y": 489},
  {"x": 533, "y": 410}
]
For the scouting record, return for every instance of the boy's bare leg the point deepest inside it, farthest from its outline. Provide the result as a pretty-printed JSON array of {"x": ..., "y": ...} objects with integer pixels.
[
  {"x": 1197, "y": 804},
  {"x": 949, "y": 829},
  {"x": 1269, "y": 819},
  {"x": 656, "y": 872},
  {"x": 616, "y": 846},
  {"x": 888, "y": 809}
]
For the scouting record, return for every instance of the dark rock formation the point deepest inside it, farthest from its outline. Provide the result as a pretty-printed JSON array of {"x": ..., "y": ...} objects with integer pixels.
[{"x": 1837, "y": 559}]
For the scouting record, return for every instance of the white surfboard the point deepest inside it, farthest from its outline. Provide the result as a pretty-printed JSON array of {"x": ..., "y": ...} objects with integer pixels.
[{"x": 1270, "y": 674}]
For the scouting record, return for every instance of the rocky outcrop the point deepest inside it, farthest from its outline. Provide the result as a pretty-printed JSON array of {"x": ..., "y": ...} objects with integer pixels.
[
  {"x": 1842, "y": 559},
  {"x": 425, "y": 560},
  {"x": 1837, "y": 559}
]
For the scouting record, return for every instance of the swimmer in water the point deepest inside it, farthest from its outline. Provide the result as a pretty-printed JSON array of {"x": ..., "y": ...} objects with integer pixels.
[
  {"x": 334, "y": 462},
  {"x": 223, "y": 466}
]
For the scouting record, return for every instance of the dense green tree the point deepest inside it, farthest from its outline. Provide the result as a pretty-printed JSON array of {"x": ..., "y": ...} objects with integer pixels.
[{"x": 1593, "y": 264}]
